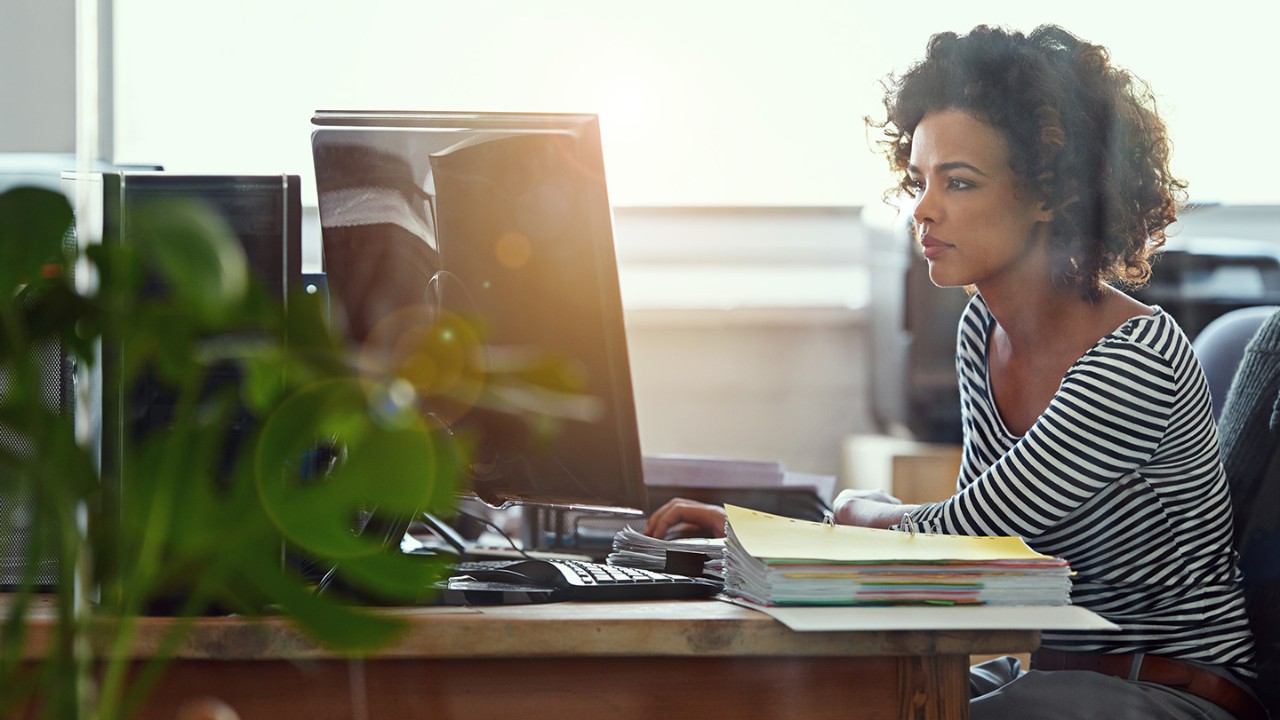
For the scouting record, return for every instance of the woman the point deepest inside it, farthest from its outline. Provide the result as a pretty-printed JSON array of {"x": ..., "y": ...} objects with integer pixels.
[{"x": 1039, "y": 179}]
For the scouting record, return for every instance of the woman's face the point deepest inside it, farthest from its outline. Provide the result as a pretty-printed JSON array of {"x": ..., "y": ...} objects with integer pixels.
[{"x": 972, "y": 223}]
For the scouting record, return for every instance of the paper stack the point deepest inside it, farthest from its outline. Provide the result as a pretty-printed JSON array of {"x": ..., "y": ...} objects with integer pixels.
[
  {"x": 686, "y": 556},
  {"x": 697, "y": 471},
  {"x": 772, "y": 560}
]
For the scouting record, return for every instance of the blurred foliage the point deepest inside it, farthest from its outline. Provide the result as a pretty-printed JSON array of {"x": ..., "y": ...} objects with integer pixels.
[{"x": 191, "y": 518}]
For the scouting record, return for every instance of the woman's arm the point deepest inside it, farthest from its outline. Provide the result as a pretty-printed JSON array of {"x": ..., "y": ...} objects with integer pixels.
[
  {"x": 869, "y": 508},
  {"x": 1106, "y": 421}
]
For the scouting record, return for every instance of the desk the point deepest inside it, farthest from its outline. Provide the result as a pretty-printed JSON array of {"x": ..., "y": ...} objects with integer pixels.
[{"x": 635, "y": 660}]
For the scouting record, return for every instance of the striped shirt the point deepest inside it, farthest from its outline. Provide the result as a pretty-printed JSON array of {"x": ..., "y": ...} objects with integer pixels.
[{"x": 1122, "y": 477}]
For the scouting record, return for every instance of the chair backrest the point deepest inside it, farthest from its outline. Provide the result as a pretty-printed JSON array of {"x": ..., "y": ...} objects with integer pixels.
[{"x": 1220, "y": 345}]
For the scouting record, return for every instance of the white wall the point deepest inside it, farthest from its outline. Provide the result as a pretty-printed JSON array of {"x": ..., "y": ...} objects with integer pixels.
[
  {"x": 37, "y": 76},
  {"x": 747, "y": 330},
  {"x": 751, "y": 383}
]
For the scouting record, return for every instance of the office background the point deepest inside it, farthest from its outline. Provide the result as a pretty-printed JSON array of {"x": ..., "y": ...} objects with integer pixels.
[{"x": 748, "y": 209}]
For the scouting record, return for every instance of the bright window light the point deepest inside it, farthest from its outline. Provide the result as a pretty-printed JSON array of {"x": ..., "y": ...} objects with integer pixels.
[{"x": 709, "y": 102}]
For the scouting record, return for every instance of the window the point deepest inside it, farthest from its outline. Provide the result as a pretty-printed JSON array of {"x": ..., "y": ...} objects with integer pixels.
[{"x": 707, "y": 103}]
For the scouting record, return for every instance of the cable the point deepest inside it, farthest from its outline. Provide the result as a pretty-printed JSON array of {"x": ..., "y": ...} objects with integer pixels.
[{"x": 500, "y": 531}]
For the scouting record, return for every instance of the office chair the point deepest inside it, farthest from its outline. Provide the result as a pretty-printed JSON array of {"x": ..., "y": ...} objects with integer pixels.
[
  {"x": 1249, "y": 430},
  {"x": 1220, "y": 345}
]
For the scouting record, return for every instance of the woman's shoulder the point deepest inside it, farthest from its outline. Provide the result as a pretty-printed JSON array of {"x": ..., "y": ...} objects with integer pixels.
[
  {"x": 1121, "y": 320},
  {"x": 1147, "y": 349},
  {"x": 1155, "y": 330}
]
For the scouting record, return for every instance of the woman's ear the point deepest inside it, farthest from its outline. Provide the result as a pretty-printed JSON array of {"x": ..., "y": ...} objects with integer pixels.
[
  {"x": 1049, "y": 209},
  {"x": 1044, "y": 212}
]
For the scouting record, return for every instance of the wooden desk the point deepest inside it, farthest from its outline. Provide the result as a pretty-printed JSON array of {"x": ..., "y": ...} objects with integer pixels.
[{"x": 571, "y": 661}]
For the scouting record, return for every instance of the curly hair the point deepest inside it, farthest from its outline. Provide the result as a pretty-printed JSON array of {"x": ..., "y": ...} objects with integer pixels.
[{"x": 1082, "y": 135}]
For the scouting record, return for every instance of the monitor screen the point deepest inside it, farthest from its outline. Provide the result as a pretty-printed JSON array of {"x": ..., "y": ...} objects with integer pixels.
[{"x": 471, "y": 256}]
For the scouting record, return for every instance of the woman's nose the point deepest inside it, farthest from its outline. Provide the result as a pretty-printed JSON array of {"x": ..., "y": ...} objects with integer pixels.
[{"x": 924, "y": 210}]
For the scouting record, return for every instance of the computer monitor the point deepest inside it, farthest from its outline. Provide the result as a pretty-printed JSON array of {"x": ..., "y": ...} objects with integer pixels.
[{"x": 488, "y": 234}]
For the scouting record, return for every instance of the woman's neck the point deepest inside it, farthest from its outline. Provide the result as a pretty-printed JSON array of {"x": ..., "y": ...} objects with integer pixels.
[
  {"x": 1047, "y": 319},
  {"x": 1033, "y": 314}
]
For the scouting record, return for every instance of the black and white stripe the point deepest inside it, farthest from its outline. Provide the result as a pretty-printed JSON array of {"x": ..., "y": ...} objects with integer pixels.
[{"x": 1122, "y": 477}]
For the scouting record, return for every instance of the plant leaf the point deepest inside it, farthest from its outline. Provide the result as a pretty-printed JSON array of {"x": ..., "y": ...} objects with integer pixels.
[
  {"x": 387, "y": 467},
  {"x": 33, "y": 226},
  {"x": 195, "y": 250}
]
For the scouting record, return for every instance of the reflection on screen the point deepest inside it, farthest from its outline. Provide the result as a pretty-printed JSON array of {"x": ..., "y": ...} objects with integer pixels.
[{"x": 471, "y": 262}]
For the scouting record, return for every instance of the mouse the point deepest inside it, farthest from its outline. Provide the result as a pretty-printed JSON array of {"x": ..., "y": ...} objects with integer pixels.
[{"x": 536, "y": 572}]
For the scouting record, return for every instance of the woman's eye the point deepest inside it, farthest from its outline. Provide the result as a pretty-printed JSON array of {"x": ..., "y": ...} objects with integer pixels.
[
  {"x": 913, "y": 185},
  {"x": 958, "y": 183}
]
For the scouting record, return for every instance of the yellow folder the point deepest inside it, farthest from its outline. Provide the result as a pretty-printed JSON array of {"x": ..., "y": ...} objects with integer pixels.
[{"x": 775, "y": 538}]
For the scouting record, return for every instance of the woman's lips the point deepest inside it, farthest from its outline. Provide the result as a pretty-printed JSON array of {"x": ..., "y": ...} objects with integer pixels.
[{"x": 933, "y": 247}]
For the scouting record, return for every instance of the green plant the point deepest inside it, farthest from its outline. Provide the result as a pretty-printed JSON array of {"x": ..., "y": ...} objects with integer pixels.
[{"x": 180, "y": 530}]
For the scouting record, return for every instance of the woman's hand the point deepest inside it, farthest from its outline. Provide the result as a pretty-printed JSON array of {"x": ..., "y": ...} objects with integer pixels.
[
  {"x": 687, "y": 518},
  {"x": 869, "y": 508},
  {"x": 873, "y": 495}
]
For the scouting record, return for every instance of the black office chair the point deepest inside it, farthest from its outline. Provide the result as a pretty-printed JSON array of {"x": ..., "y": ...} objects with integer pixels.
[
  {"x": 1250, "y": 433},
  {"x": 1220, "y": 345}
]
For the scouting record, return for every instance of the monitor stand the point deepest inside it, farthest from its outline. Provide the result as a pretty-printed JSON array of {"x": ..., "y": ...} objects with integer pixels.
[{"x": 445, "y": 539}]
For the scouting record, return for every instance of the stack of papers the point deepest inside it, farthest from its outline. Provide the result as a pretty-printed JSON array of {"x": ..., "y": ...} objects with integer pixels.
[
  {"x": 772, "y": 560},
  {"x": 697, "y": 471},
  {"x": 686, "y": 556}
]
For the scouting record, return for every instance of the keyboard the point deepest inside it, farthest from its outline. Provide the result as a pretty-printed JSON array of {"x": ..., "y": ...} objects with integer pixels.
[{"x": 580, "y": 580}]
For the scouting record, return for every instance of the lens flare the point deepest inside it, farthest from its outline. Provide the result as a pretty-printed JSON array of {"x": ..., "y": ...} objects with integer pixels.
[
  {"x": 436, "y": 352},
  {"x": 513, "y": 250}
]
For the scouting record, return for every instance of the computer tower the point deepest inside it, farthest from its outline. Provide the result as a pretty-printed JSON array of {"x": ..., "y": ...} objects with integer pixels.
[
  {"x": 56, "y": 390},
  {"x": 262, "y": 211}
]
